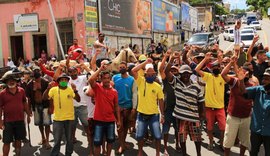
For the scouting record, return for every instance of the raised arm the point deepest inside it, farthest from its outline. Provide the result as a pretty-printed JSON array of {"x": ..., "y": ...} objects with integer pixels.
[
  {"x": 249, "y": 57},
  {"x": 168, "y": 73},
  {"x": 162, "y": 65},
  {"x": 226, "y": 70},
  {"x": 93, "y": 78},
  {"x": 140, "y": 66}
]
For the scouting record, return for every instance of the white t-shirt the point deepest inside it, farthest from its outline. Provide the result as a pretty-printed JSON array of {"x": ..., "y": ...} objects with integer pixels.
[
  {"x": 237, "y": 37},
  {"x": 10, "y": 64},
  {"x": 103, "y": 51},
  {"x": 81, "y": 82},
  {"x": 90, "y": 105}
]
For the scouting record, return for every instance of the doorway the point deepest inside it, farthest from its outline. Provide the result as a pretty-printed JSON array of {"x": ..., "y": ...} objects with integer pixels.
[
  {"x": 40, "y": 43},
  {"x": 16, "y": 44}
]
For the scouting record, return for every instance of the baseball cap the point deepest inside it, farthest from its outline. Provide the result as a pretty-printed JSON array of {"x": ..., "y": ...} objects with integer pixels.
[
  {"x": 214, "y": 64},
  {"x": 185, "y": 68},
  {"x": 202, "y": 55},
  {"x": 142, "y": 58},
  {"x": 267, "y": 72},
  {"x": 149, "y": 65},
  {"x": 78, "y": 50}
]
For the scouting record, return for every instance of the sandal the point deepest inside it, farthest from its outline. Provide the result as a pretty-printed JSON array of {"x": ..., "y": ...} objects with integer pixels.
[{"x": 210, "y": 147}]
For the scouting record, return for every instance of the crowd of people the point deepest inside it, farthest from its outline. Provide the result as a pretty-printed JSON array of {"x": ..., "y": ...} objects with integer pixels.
[{"x": 187, "y": 89}]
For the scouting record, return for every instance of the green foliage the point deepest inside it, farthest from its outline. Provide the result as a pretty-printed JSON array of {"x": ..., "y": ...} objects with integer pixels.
[
  {"x": 261, "y": 5},
  {"x": 219, "y": 10}
]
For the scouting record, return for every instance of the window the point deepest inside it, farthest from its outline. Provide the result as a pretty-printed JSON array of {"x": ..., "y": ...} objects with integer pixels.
[{"x": 65, "y": 29}]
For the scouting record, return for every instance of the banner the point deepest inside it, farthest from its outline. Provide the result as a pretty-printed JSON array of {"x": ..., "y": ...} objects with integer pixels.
[
  {"x": 91, "y": 22},
  {"x": 186, "y": 23},
  {"x": 165, "y": 16},
  {"x": 25, "y": 22},
  {"x": 193, "y": 12},
  {"x": 129, "y": 16}
]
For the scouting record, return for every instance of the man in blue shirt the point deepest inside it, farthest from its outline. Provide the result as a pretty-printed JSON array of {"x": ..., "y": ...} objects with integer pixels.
[
  {"x": 260, "y": 120},
  {"x": 127, "y": 100}
]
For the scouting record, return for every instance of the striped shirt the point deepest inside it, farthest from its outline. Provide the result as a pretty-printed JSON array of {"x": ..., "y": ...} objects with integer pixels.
[
  {"x": 187, "y": 100},
  {"x": 237, "y": 36}
]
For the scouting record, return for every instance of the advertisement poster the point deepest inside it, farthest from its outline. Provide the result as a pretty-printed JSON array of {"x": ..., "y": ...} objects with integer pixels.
[
  {"x": 137, "y": 41},
  {"x": 186, "y": 23},
  {"x": 25, "y": 22},
  {"x": 91, "y": 22},
  {"x": 123, "y": 41},
  {"x": 129, "y": 16},
  {"x": 193, "y": 12},
  {"x": 165, "y": 16}
]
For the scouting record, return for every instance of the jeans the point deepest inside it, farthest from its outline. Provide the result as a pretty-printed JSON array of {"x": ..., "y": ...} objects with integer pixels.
[
  {"x": 256, "y": 141},
  {"x": 58, "y": 128},
  {"x": 103, "y": 129}
]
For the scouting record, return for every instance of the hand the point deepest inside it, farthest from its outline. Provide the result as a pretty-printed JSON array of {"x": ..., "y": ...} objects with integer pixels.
[
  {"x": 208, "y": 56},
  {"x": 241, "y": 74},
  {"x": 162, "y": 120},
  {"x": 168, "y": 52},
  {"x": 118, "y": 124},
  {"x": 133, "y": 115},
  {"x": 103, "y": 67},
  {"x": 233, "y": 59},
  {"x": 149, "y": 60},
  {"x": 256, "y": 38},
  {"x": 73, "y": 86},
  {"x": 28, "y": 119}
]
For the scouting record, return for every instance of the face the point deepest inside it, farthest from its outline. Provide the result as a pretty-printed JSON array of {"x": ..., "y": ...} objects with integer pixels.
[
  {"x": 63, "y": 80},
  {"x": 101, "y": 38},
  {"x": 262, "y": 57},
  {"x": 73, "y": 73},
  {"x": 11, "y": 83},
  {"x": 266, "y": 80},
  {"x": 106, "y": 79},
  {"x": 122, "y": 66},
  {"x": 75, "y": 41},
  {"x": 185, "y": 77},
  {"x": 174, "y": 71}
]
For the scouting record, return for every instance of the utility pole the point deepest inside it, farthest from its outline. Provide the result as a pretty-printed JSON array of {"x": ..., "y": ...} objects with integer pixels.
[{"x": 56, "y": 29}]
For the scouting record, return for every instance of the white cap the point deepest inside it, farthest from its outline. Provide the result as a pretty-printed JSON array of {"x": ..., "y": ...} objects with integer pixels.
[{"x": 147, "y": 66}]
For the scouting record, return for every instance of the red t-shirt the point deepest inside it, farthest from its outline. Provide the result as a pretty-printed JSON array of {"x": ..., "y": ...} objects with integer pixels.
[
  {"x": 73, "y": 47},
  {"x": 238, "y": 105},
  {"x": 105, "y": 101},
  {"x": 13, "y": 104}
]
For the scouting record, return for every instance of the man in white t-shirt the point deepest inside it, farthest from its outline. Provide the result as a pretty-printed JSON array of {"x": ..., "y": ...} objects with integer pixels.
[
  {"x": 99, "y": 44},
  {"x": 80, "y": 108}
]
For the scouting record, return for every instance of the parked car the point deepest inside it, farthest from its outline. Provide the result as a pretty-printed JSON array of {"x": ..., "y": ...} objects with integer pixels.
[
  {"x": 203, "y": 39},
  {"x": 251, "y": 19},
  {"x": 228, "y": 34},
  {"x": 247, "y": 39},
  {"x": 248, "y": 31},
  {"x": 256, "y": 24}
]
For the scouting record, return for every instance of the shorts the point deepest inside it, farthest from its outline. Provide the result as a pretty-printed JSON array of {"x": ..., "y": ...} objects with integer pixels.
[
  {"x": 81, "y": 113},
  {"x": 14, "y": 131},
  {"x": 143, "y": 121},
  {"x": 125, "y": 117},
  {"x": 41, "y": 116},
  {"x": 193, "y": 129},
  {"x": 103, "y": 129},
  {"x": 237, "y": 126},
  {"x": 213, "y": 115},
  {"x": 169, "y": 119}
]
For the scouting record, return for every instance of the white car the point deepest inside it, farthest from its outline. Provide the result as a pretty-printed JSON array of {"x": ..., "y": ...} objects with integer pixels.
[
  {"x": 256, "y": 24},
  {"x": 248, "y": 31},
  {"x": 250, "y": 27},
  {"x": 228, "y": 34},
  {"x": 247, "y": 39}
]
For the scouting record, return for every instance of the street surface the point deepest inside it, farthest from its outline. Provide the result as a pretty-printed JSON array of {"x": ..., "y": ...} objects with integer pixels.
[{"x": 81, "y": 149}]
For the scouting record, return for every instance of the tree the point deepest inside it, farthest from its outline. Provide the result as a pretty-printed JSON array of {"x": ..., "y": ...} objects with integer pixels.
[{"x": 253, "y": 3}]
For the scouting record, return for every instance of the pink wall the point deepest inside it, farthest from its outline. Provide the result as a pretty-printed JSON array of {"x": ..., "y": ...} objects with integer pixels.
[{"x": 61, "y": 8}]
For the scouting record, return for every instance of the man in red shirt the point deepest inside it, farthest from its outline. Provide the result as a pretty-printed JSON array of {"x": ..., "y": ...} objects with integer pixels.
[
  {"x": 74, "y": 47},
  {"x": 239, "y": 109},
  {"x": 106, "y": 109},
  {"x": 13, "y": 104}
]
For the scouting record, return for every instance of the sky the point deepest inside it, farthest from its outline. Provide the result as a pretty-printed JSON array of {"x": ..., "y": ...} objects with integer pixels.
[{"x": 240, "y": 4}]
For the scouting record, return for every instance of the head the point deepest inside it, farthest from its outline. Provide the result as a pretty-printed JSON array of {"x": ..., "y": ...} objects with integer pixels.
[
  {"x": 101, "y": 37},
  {"x": 185, "y": 73},
  {"x": 266, "y": 79},
  {"x": 9, "y": 58},
  {"x": 26, "y": 74},
  {"x": 250, "y": 68},
  {"x": 150, "y": 74},
  {"x": 123, "y": 67},
  {"x": 261, "y": 56},
  {"x": 75, "y": 41},
  {"x": 238, "y": 24},
  {"x": 266, "y": 49},
  {"x": 216, "y": 69},
  {"x": 198, "y": 58},
  {"x": 175, "y": 70},
  {"x": 105, "y": 78},
  {"x": 63, "y": 82},
  {"x": 73, "y": 73},
  {"x": 11, "y": 83}
]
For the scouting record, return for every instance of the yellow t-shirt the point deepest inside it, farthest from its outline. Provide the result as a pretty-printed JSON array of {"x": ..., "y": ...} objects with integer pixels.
[
  {"x": 214, "y": 90},
  {"x": 63, "y": 110},
  {"x": 148, "y": 96},
  {"x": 141, "y": 72}
]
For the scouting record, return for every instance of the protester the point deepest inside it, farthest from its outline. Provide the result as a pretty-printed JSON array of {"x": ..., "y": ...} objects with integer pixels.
[
  {"x": 13, "y": 104},
  {"x": 150, "y": 96},
  {"x": 106, "y": 110},
  {"x": 62, "y": 97}
]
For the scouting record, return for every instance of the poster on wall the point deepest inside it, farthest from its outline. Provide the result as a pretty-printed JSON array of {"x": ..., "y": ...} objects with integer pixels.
[
  {"x": 91, "y": 23},
  {"x": 186, "y": 22},
  {"x": 123, "y": 41},
  {"x": 165, "y": 16},
  {"x": 193, "y": 12},
  {"x": 25, "y": 22},
  {"x": 128, "y": 16},
  {"x": 137, "y": 41},
  {"x": 111, "y": 42},
  {"x": 146, "y": 43}
]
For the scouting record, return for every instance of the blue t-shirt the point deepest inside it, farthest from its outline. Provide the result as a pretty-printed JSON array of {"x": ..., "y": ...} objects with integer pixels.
[{"x": 124, "y": 89}]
